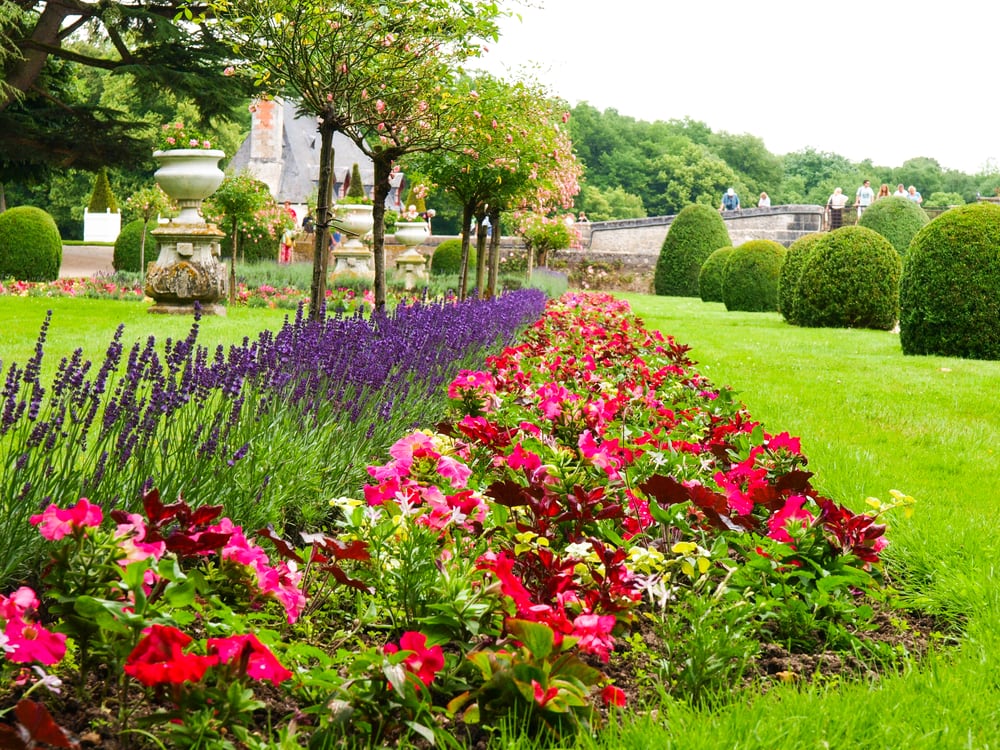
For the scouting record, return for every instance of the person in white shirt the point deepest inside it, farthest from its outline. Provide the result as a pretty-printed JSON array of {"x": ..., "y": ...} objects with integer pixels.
[
  {"x": 835, "y": 208},
  {"x": 764, "y": 201},
  {"x": 864, "y": 197}
]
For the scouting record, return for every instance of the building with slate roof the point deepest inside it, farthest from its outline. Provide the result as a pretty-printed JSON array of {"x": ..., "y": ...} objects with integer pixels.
[{"x": 282, "y": 151}]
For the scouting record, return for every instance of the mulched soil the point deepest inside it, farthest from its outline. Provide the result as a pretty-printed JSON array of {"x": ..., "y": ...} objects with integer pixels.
[{"x": 910, "y": 633}]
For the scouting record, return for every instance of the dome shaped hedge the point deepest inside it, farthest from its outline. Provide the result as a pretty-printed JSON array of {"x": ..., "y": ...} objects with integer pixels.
[
  {"x": 896, "y": 219},
  {"x": 447, "y": 258},
  {"x": 750, "y": 277},
  {"x": 788, "y": 279},
  {"x": 695, "y": 233},
  {"x": 710, "y": 276},
  {"x": 950, "y": 288},
  {"x": 127, "y": 246},
  {"x": 850, "y": 280},
  {"x": 30, "y": 245}
]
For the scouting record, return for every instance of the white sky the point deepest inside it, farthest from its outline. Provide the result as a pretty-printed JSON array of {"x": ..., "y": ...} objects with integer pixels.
[{"x": 880, "y": 79}]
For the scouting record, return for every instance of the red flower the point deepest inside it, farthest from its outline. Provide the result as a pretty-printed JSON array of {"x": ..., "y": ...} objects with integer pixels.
[
  {"x": 424, "y": 662},
  {"x": 54, "y": 523},
  {"x": 260, "y": 663},
  {"x": 613, "y": 696},
  {"x": 159, "y": 658}
]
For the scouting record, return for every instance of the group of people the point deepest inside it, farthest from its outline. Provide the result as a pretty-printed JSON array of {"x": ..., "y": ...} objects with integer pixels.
[
  {"x": 863, "y": 198},
  {"x": 308, "y": 227}
]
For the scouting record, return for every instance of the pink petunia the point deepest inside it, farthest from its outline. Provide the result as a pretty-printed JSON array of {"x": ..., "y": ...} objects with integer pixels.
[{"x": 55, "y": 523}]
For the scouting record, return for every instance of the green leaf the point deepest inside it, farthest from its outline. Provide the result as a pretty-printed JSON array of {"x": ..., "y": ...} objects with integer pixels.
[{"x": 536, "y": 637}]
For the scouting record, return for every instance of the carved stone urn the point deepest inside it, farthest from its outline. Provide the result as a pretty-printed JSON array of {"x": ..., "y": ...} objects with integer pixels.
[
  {"x": 187, "y": 272},
  {"x": 351, "y": 258}
]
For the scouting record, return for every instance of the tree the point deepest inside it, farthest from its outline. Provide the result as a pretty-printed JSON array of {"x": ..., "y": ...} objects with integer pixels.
[
  {"x": 334, "y": 58},
  {"x": 40, "y": 101},
  {"x": 146, "y": 203}
]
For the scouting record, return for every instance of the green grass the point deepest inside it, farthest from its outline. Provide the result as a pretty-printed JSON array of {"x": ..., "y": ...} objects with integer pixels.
[{"x": 870, "y": 420}]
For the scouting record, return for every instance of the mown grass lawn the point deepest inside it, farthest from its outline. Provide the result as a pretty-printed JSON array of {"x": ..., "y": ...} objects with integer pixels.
[{"x": 870, "y": 420}]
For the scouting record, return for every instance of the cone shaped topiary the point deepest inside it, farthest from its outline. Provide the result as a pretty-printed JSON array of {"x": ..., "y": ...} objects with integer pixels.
[
  {"x": 788, "y": 280},
  {"x": 710, "y": 277},
  {"x": 30, "y": 245},
  {"x": 750, "y": 276},
  {"x": 696, "y": 232},
  {"x": 101, "y": 198},
  {"x": 850, "y": 280},
  {"x": 896, "y": 219},
  {"x": 950, "y": 288}
]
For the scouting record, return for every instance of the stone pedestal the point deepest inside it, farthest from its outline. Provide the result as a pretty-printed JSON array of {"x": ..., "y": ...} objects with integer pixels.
[
  {"x": 187, "y": 270},
  {"x": 414, "y": 267}
]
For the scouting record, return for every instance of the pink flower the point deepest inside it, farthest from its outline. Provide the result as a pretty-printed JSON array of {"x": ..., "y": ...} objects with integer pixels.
[
  {"x": 254, "y": 658},
  {"x": 791, "y": 513},
  {"x": 28, "y": 642},
  {"x": 54, "y": 523},
  {"x": 424, "y": 662},
  {"x": 594, "y": 632}
]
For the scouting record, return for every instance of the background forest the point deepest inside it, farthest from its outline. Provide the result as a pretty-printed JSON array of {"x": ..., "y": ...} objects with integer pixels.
[{"x": 632, "y": 168}]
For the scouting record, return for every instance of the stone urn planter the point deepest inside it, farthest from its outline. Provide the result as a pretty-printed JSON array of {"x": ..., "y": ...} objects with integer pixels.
[
  {"x": 352, "y": 259},
  {"x": 411, "y": 262},
  {"x": 187, "y": 272},
  {"x": 411, "y": 233}
]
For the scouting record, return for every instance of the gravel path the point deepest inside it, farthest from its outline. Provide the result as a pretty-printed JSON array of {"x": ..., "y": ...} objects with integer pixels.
[{"x": 86, "y": 260}]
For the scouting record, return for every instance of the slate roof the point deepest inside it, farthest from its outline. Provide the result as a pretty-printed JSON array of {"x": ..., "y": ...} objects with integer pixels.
[{"x": 300, "y": 161}]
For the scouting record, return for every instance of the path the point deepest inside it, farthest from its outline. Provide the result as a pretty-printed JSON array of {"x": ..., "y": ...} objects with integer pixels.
[{"x": 86, "y": 260}]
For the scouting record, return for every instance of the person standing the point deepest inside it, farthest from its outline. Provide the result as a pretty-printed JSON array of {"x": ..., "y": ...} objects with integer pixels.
[
  {"x": 913, "y": 195},
  {"x": 864, "y": 197},
  {"x": 730, "y": 201},
  {"x": 900, "y": 192},
  {"x": 835, "y": 208},
  {"x": 764, "y": 201},
  {"x": 883, "y": 192}
]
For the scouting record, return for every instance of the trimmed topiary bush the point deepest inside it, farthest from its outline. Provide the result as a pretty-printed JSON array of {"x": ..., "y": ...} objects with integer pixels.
[
  {"x": 127, "y": 246},
  {"x": 950, "y": 288},
  {"x": 447, "y": 258},
  {"x": 696, "y": 232},
  {"x": 30, "y": 245},
  {"x": 850, "y": 280},
  {"x": 896, "y": 219},
  {"x": 750, "y": 276},
  {"x": 710, "y": 276},
  {"x": 101, "y": 198},
  {"x": 788, "y": 279}
]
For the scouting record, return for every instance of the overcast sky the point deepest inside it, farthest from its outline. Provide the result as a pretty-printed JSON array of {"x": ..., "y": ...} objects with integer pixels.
[{"x": 879, "y": 79}]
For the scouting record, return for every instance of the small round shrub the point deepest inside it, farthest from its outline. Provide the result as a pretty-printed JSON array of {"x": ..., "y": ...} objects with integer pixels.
[
  {"x": 896, "y": 219},
  {"x": 850, "y": 280},
  {"x": 710, "y": 276},
  {"x": 30, "y": 245},
  {"x": 695, "y": 233},
  {"x": 255, "y": 247},
  {"x": 950, "y": 288},
  {"x": 447, "y": 258},
  {"x": 788, "y": 279},
  {"x": 127, "y": 247},
  {"x": 750, "y": 276}
]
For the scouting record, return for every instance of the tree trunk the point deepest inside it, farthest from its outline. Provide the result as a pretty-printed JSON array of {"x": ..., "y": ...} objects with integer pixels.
[
  {"x": 468, "y": 214},
  {"x": 232, "y": 265},
  {"x": 26, "y": 69},
  {"x": 481, "y": 256},
  {"x": 380, "y": 191},
  {"x": 321, "y": 250},
  {"x": 494, "y": 265}
]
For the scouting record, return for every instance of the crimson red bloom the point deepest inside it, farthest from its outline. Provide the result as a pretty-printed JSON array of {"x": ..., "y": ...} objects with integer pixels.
[{"x": 159, "y": 658}]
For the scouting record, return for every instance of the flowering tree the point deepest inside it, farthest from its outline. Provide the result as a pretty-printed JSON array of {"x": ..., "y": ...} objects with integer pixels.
[
  {"x": 149, "y": 202},
  {"x": 543, "y": 235},
  {"x": 339, "y": 60},
  {"x": 515, "y": 155}
]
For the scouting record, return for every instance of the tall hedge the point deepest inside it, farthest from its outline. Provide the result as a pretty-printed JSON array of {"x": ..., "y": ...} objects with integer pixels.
[
  {"x": 950, "y": 288},
  {"x": 850, "y": 280},
  {"x": 101, "y": 197},
  {"x": 696, "y": 232},
  {"x": 30, "y": 245},
  {"x": 710, "y": 276},
  {"x": 750, "y": 277},
  {"x": 896, "y": 219},
  {"x": 791, "y": 269}
]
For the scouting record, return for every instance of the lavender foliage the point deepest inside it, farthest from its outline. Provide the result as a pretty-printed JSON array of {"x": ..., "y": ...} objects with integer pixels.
[{"x": 271, "y": 428}]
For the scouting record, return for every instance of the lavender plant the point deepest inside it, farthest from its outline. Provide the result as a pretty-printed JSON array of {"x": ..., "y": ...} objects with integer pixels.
[{"x": 270, "y": 428}]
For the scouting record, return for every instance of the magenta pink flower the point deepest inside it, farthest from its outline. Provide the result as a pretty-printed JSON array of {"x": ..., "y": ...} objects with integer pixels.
[
  {"x": 594, "y": 632},
  {"x": 791, "y": 513},
  {"x": 28, "y": 642},
  {"x": 260, "y": 663},
  {"x": 424, "y": 662},
  {"x": 55, "y": 523}
]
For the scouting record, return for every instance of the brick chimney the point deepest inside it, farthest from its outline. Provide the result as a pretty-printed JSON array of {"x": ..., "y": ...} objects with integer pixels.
[{"x": 266, "y": 139}]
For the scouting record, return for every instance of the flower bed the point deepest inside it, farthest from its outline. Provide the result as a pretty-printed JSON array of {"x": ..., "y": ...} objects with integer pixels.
[{"x": 587, "y": 481}]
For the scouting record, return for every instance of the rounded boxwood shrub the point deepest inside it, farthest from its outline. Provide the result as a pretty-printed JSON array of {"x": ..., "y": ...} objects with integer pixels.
[
  {"x": 896, "y": 219},
  {"x": 850, "y": 280},
  {"x": 750, "y": 276},
  {"x": 447, "y": 258},
  {"x": 695, "y": 233},
  {"x": 30, "y": 245},
  {"x": 788, "y": 279},
  {"x": 127, "y": 246},
  {"x": 710, "y": 276},
  {"x": 950, "y": 288}
]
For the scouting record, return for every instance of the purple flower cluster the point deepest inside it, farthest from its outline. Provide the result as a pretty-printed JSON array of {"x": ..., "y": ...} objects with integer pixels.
[{"x": 180, "y": 410}]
